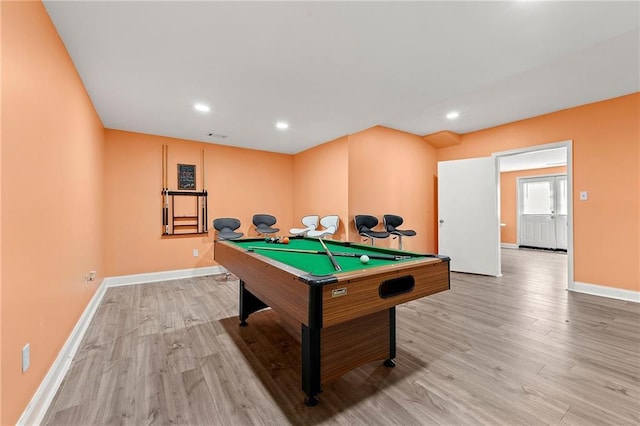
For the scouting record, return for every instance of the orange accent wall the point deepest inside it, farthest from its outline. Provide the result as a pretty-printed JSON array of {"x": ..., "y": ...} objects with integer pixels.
[
  {"x": 606, "y": 141},
  {"x": 376, "y": 171},
  {"x": 393, "y": 172},
  {"x": 321, "y": 177},
  {"x": 240, "y": 183},
  {"x": 509, "y": 199},
  {"x": 52, "y": 199}
]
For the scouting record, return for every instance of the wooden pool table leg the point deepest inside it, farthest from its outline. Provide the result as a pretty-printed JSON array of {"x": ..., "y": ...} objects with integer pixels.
[
  {"x": 248, "y": 304},
  {"x": 311, "y": 364},
  {"x": 392, "y": 339},
  {"x": 310, "y": 339}
]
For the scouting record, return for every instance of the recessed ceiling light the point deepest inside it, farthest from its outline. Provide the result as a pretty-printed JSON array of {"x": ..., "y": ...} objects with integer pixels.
[
  {"x": 282, "y": 125},
  {"x": 202, "y": 107},
  {"x": 453, "y": 115}
]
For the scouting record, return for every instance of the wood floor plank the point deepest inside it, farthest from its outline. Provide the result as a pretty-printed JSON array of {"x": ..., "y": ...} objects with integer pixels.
[{"x": 518, "y": 349}]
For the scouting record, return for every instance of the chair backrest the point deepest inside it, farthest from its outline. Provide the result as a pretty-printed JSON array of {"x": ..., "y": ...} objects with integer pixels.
[
  {"x": 223, "y": 223},
  {"x": 330, "y": 221},
  {"x": 310, "y": 222},
  {"x": 392, "y": 221},
  {"x": 264, "y": 219},
  {"x": 365, "y": 222}
]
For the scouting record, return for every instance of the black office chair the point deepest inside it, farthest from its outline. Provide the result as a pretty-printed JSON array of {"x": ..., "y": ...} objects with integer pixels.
[
  {"x": 365, "y": 224},
  {"x": 264, "y": 223},
  {"x": 391, "y": 223},
  {"x": 226, "y": 228}
]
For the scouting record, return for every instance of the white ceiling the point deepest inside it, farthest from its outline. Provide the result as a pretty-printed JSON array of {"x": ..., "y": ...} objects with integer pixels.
[{"x": 335, "y": 68}]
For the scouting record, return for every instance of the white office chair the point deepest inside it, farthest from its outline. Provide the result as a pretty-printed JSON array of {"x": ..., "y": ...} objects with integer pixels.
[
  {"x": 330, "y": 224},
  {"x": 310, "y": 223}
]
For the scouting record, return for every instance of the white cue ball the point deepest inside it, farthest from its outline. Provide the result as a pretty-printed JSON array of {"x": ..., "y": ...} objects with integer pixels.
[{"x": 364, "y": 258}]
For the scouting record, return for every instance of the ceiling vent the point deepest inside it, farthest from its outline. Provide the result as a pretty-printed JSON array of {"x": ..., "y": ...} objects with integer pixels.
[{"x": 216, "y": 135}]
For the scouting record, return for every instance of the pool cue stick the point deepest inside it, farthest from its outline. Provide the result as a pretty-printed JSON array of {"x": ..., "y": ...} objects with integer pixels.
[
  {"x": 331, "y": 258},
  {"x": 164, "y": 167},
  {"x": 165, "y": 184},
  {"x": 335, "y": 253},
  {"x": 372, "y": 256},
  {"x": 204, "y": 200},
  {"x": 286, "y": 249},
  {"x": 164, "y": 220}
]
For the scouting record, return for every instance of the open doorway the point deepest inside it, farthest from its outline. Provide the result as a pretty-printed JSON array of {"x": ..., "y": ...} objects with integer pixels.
[{"x": 535, "y": 161}]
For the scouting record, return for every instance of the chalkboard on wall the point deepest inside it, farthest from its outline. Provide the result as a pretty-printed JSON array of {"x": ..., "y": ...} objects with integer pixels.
[{"x": 186, "y": 177}]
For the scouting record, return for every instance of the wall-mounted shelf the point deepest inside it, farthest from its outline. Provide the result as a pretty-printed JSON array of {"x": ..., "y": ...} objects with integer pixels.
[{"x": 184, "y": 212}]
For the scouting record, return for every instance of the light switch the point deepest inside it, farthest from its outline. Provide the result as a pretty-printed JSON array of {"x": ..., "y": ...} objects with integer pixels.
[{"x": 584, "y": 196}]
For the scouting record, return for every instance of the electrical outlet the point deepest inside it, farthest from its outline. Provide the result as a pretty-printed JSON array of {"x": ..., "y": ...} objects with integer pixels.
[
  {"x": 584, "y": 195},
  {"x": 91, "y": 276},
  {"x": 25, "y": 357},
  {"x": 195, "y": 252}
]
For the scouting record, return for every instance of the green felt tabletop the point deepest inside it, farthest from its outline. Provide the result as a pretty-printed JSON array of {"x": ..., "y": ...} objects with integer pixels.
[{"x": 319, "y": 264}]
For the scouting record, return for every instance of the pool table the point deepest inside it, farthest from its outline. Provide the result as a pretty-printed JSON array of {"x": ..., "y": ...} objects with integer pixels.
[{"x": 342, "y": 319}]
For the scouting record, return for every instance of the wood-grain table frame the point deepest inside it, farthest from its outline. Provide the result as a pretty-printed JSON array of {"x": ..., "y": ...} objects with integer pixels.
[{"x": 336, "y": 333}]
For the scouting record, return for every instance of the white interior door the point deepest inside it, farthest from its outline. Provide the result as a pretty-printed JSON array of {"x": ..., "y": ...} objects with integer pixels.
[
  {"x": 537, "y": 224},
  {"x": 543, "y": 212},
  {"x": 468, "y": 220}
]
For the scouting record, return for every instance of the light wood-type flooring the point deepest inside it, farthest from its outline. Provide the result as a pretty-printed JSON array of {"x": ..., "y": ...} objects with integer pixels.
[{"x": 514, "y": 350}]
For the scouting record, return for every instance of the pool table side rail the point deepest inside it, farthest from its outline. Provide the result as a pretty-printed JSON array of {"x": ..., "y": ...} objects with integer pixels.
[
  {"x": 338, "y": 245},
  {"x": 310, "y": 279},
  {"x": 382, "y": 250},
  {"x": 280, "y": 288},
  {"x": 360, "y": 295},
  {"x": 380, "y": 269}
]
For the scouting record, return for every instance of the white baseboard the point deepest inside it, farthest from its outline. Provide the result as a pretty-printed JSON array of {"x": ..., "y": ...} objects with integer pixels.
[
  {"x": 604, "y": 291},
  {"x": 39, "y": 404},
  {"x": 509, "y": 246},
  {"x": 153, "y": 277}
]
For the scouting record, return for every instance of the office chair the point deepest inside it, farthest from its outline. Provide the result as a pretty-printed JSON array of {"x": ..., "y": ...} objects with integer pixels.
[
  {"x": 391, "y": 223},
  {"x": 365, "y": 224},
  {"x": 226, "y": 228},
  {"x": 264, "y": 223},
  {"x": 310, "y": 223},
  {"x": 330, "y": 224}
]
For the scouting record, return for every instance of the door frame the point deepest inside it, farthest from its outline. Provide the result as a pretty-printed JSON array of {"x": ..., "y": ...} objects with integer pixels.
[{"x": 568, "y": 144}]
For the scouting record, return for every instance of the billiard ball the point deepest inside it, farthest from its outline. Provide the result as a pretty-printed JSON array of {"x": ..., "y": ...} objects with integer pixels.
[
  {"x": 285, "y": 240},
  {"x": 364, "y": 258}
]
